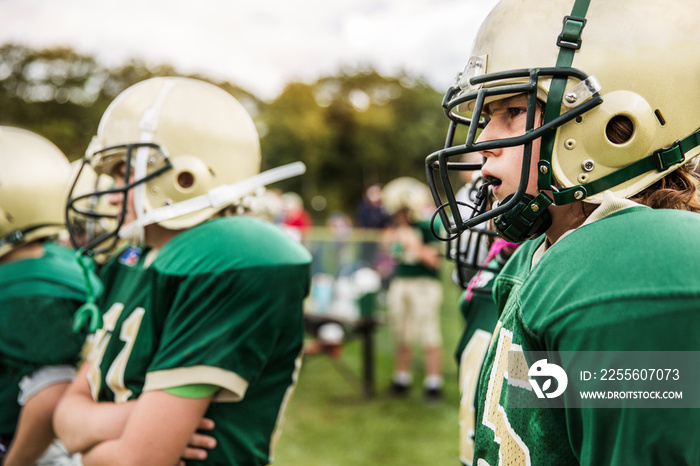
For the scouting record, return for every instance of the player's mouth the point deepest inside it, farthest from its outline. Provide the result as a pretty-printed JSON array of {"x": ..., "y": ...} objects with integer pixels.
[{"x": 492, "y": 181}]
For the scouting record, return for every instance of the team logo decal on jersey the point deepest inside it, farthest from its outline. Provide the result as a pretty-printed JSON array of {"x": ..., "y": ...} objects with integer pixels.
[
  {"x": 544, "y": 369},
  {"x": 131, "y": 256}
]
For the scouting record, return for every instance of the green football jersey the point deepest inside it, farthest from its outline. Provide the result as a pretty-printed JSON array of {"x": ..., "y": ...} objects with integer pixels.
[
  {"x": 220, "y": 304},
  {"x": 627, "y": 282},
  {"x": 38, "y": 298},
  {"x": 479, "y": 311},
  {"x": 480, "y": 314}
]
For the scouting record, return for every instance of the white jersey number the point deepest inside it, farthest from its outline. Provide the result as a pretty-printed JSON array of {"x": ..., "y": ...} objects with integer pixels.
[{"x": 115, "y": 374}]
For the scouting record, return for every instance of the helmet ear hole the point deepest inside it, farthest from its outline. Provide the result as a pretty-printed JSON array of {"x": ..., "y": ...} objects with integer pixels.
[
  {"x": 185, "y": 179},
  {"x": 619, "y": 129},
  {"x": 660, "y": 117}
]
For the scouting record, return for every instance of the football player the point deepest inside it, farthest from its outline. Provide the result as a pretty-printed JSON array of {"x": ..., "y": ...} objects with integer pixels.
[
  {"x": 590, "y": 114},
  {"x": 415, "y": 291},
  {"x": 190, "y": 327},
  {"x": 475, "y": 275},
  {"x": 41, "y": 287},
  {"x": 480, "y": 315}
]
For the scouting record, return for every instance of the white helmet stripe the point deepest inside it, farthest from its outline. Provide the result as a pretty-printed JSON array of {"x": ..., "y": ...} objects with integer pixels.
[{"x": 148, "y": 125}]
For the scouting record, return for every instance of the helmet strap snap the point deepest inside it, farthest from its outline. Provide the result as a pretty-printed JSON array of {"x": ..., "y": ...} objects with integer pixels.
[{"x": 528, "y": 219}]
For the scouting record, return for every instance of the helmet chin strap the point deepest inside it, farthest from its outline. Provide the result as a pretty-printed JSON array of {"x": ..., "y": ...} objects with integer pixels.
[
  {"x": 148, "y": 126},
  {"x": 527, "y": 220},
  {"x": 530, "y": 217}
]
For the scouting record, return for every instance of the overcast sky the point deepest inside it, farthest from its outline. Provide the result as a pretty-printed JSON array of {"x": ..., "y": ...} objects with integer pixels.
[{"x": 258, "y": 44}]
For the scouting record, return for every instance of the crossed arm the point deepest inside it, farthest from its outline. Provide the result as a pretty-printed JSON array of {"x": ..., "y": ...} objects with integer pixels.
[
  {"x": 156, "y": 429},
  {"x": 34, "y": 430}
]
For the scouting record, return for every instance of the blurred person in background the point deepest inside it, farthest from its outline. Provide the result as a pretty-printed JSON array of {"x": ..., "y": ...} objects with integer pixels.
[
  {"x": 415, "y": 292},
  {"x": 371, "y": 212},
  {"x": 372, "y": 216},
  {"x": 295, "y": 219},
  {"x": 477, "y": 251},
  {"x": 479, "y": 314}
]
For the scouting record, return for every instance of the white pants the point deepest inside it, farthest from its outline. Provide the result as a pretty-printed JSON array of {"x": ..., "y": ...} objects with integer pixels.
[{"x": 414, "y": 310}]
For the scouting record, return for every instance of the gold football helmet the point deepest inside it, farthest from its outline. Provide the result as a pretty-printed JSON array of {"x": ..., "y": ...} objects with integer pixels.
[
  {"x": 180, "y": 139},
  {"x": 406, "y": 193},
  {"x": 34, "y": 182},
  {"x": 595, "y": 65}
]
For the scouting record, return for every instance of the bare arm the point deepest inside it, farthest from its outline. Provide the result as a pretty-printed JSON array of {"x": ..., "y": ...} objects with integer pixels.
[
  {"x": 158, "y": 432},
  {"x": 430, "y": 256},
  {"x": 81, "y": 423},
  {"x": 34, "y": 429}
]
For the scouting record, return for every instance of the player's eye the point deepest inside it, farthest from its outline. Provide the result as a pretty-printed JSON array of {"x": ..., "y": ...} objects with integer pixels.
[{"x": 516, "y": 111}]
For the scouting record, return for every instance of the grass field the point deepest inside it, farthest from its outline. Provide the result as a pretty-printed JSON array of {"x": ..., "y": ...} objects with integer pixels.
[{"x": 330, "y": 422}]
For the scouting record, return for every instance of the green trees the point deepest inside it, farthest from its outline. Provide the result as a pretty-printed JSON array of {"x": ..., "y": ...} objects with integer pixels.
[
  {"x": 351, "y": 130},
  {"x": 61, "y": 94}
]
